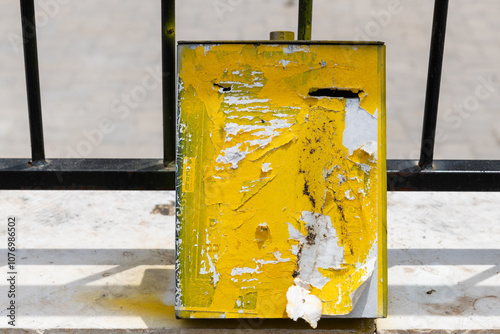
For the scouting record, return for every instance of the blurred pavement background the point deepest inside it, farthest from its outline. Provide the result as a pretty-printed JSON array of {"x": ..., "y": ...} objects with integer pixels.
[{"x": 92, "y": 53}]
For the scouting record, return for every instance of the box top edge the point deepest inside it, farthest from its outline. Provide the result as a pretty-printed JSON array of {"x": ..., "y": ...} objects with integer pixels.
[{"x": 286, "y": 42}]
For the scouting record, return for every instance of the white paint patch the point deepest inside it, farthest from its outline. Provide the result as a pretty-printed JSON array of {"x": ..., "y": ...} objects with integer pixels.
[
  {"x": 251, "y": 109},
  {"x": 266, "y": 167},
  {"x": 182, "y": 128},
  {"x": 301, "y": 304},
  {"x": 365, "y": 168},
  {"x": 244, "y": 270},
  {"x": 292, "y": 48},
  {"x": 232, "y": 155},
  {"x": 349, "y": 195},
  {"x": 327, "y": 173},
  {"x": 360, "y": 128},
  {"x": 278, "y": 257},
  {"x": 207, "y": 47},
  {"x": 262, "y": 135},
  {"x": 370, "y": 147},
  {"x": 240, "y": 117},
  {"x": 267, "y": 130},
  {"x": 294, "y": 233},
  {"x": 195, "y": 46},
  {"x": 284, "y": 62},
  {"x": 252, "y": 185},
  {"x": 211, "y": 265},
  {"x": 239, "y": 100},
  {"x": 321, "y": 252},
  {"x": 236, "y": 84},
  {"x": 249, "y": 280}
]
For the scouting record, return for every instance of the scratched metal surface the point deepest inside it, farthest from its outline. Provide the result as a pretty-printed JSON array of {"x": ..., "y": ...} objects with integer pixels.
[{"x": 281, "y": 174}]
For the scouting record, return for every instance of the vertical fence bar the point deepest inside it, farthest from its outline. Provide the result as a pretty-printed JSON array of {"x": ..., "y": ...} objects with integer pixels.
[
  {"x": 32, "y": 80},
  {"x": 305, "y": 20},
  {"x": 169, "y": 82},
  {"x": 433, "y": 83}
]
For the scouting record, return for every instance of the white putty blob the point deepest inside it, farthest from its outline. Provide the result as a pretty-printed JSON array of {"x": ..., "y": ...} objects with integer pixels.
[
  {"x": 301, "y": 304},
  {"x": 319, "y": 249}
]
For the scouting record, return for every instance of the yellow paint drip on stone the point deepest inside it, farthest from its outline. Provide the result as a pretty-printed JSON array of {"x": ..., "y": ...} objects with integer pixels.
[{"x": 285, "y": 188}]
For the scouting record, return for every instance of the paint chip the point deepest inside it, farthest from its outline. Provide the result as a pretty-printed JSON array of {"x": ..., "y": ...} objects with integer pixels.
[
  {"x": 302, "y": 304},
  {"x": 266, "y": 167}
]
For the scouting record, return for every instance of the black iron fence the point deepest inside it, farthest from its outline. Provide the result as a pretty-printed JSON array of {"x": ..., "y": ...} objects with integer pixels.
[{"x": 425, "y": 174}]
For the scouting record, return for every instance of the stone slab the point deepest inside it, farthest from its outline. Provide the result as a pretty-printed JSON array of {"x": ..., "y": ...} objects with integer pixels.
[{"x": 94, "y": 262}]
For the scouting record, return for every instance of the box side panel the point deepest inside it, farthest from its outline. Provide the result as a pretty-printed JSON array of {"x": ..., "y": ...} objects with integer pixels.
[{"x": 382, "y": 206}]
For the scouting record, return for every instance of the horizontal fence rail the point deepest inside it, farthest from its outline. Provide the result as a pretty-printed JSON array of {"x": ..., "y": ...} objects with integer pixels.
[
  {"x": 150, "y": 174},
  {"x": 445, "y": 175},
  {"x": 87, "y": 174}
]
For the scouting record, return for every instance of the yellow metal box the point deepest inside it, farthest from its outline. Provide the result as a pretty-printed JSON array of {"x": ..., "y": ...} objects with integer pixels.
[{"x": 281, "y": 180}]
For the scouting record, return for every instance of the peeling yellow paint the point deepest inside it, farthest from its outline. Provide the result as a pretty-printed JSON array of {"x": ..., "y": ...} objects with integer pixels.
[{"x": 264, "y": 167}]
